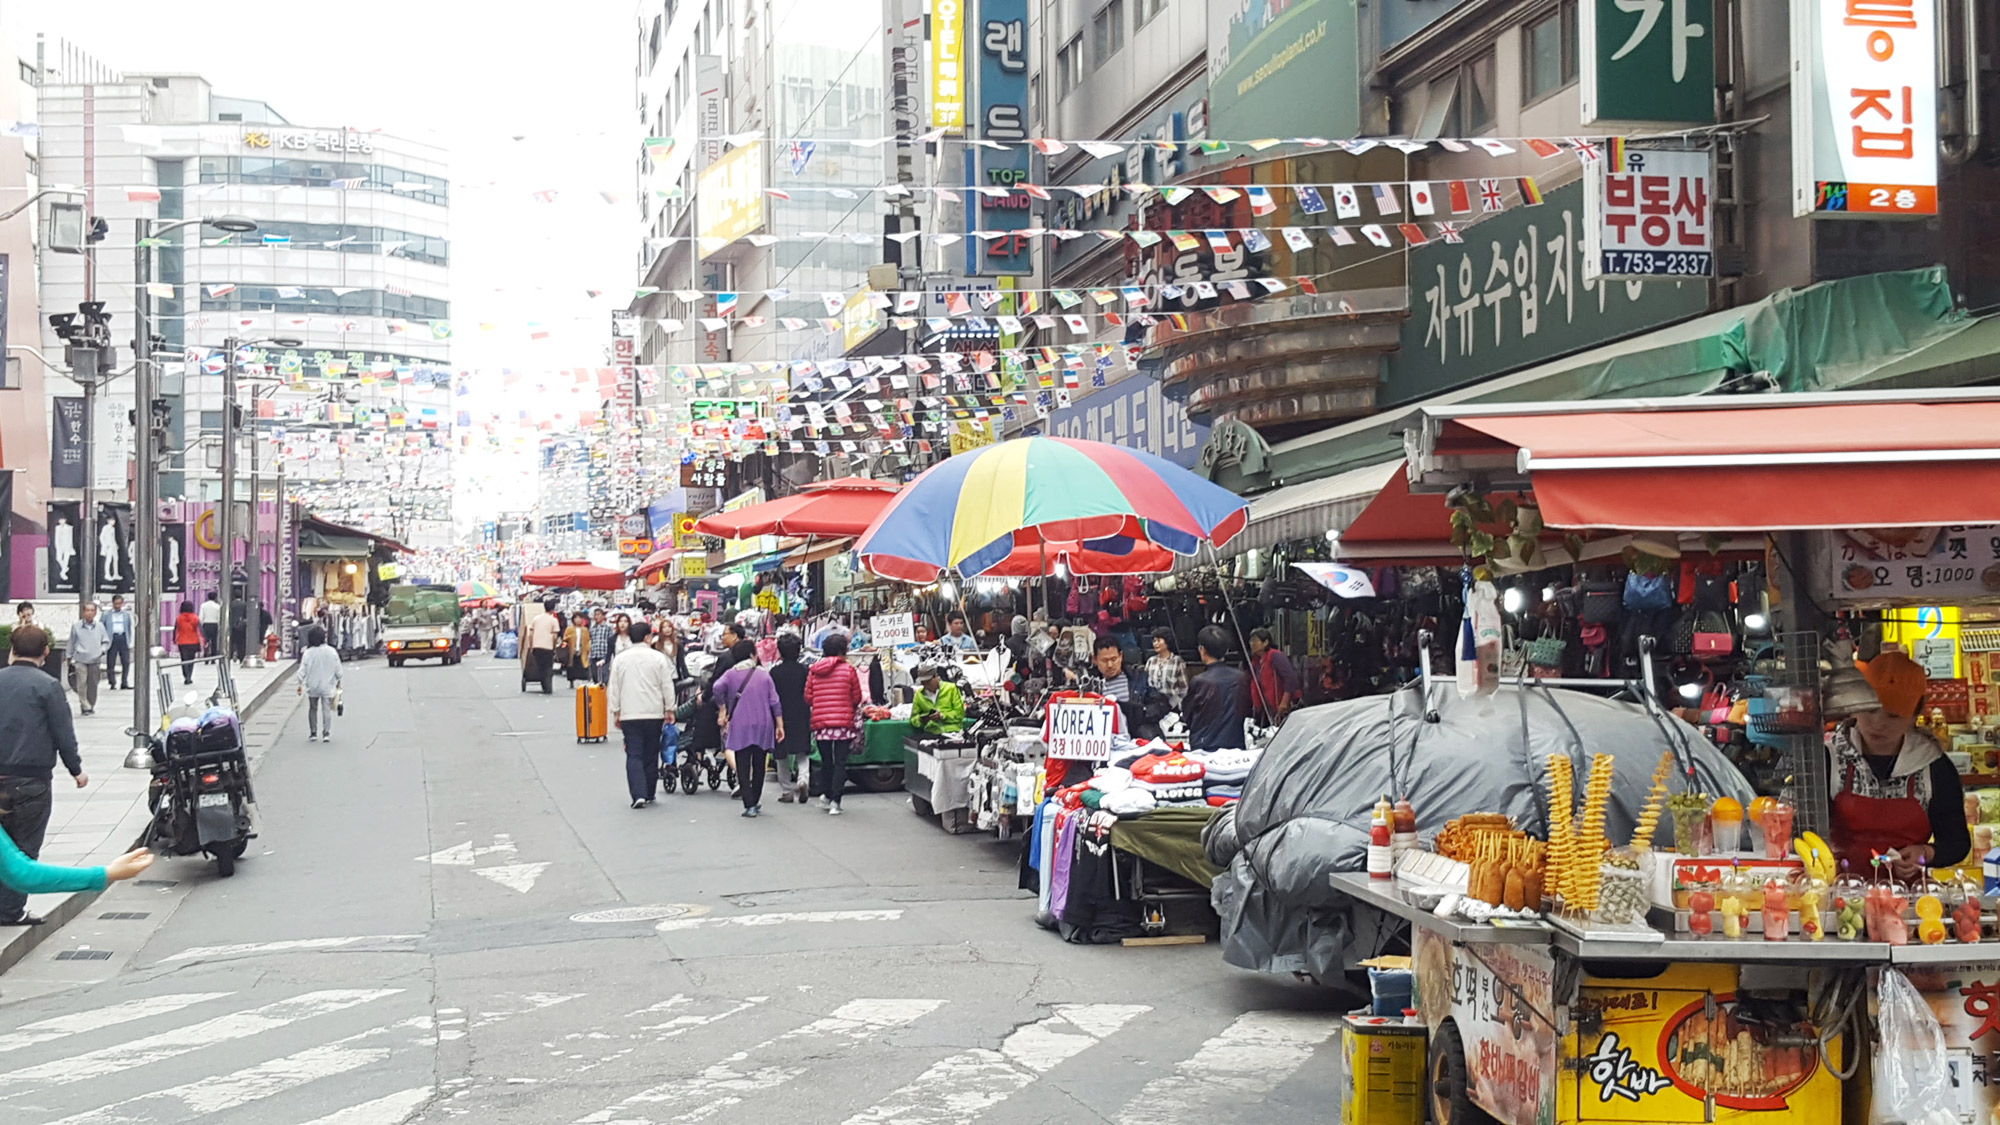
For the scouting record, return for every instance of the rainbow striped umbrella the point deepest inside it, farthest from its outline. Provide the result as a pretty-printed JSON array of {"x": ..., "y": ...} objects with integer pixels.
[
  {"x": 477, "y": 590},
  {"x": 968, "y": 513}
]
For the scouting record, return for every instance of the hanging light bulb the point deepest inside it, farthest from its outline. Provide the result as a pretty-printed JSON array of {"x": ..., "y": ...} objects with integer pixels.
[
  {"x": 1512, "y": 600},
  {"x": 947, "y": 591}
]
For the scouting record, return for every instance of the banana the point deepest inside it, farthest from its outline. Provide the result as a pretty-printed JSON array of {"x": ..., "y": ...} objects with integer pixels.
[{"x": 1817, "y": 857}]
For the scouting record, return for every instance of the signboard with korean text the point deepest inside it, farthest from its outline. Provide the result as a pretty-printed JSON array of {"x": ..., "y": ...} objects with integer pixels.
[
  {"x": 1502, "y": 999},
  {"x": 729, "y": 197},
  {"x": 887, "y": 630},
  {"x": 69, "y": 443},
  {"x": 1935, "y": 566},
  {"x": 1002, "y": 42},
  {"x": 1132, "y": 412},
  {"x": 1651, "y": 217},
  {"x": 734, "y": 549},
  {"x": 1966, "y": 1001},
  {"x": 1864, "y": 108},
  {"x": 1651, "y": 62},
  {"x": 1080, "y": 729},
  {"x": 1514, "y": 294},
  {"x": 948, "y": 64}
]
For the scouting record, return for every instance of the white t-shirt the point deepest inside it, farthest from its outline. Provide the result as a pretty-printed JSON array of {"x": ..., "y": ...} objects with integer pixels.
[{"x": 211, "y": 613}]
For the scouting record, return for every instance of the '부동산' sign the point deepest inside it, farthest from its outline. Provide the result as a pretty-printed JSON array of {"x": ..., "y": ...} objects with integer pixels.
[{"x": 1649, "y": 218}]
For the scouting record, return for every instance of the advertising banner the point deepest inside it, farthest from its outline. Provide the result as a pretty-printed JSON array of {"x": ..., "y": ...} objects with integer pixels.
[
  {"x": 1283, "y": 70},
  {"x": 173, "y": 558},
  {"x": 1864, "y": 108},
  {"x": 1651, "y": 217},
  {"x": 948, "y": 65},
  {"x": 1647, "y": 63},
  {"x": 114, "y": 549},
  {"x": 7, "y": 535},
  {"x": 65, "y": 570},
  {"x": 888, "y": 630},
  {"x": 69, "y": 444},
  {"x": 729, "y": 197},
  {"x": 1003, "y": 116}
]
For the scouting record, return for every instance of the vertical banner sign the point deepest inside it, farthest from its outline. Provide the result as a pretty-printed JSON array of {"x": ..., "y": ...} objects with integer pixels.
[
  {"x": 1864, "y": 107},
  {"x": 114, "y": 549},
  {"x": 1002, "y": 37},
  {"x": 1651, "y": 62},
  {"x": 948, "y": 65},
  {"x": 69, "y": 444},
  {"x": 1649, "y": 218},
  {"x": 65, "y": 547},
  {"x": 709, "y": 118},
  {"x": 6, "y": 527},
  {"x": 173, "y": 558}
]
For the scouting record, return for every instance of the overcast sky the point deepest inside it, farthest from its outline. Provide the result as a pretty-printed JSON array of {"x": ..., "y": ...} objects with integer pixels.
[{"x": 525, "y": 98}]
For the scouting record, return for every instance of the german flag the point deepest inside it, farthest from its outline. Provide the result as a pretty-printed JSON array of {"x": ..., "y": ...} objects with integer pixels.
[
  {"x": 1531, "y": 195},
  {"x": 1615, "y": 150}
]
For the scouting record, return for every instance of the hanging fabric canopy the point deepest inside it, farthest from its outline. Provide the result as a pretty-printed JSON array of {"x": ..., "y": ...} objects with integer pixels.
[
  {"x": 970, "y": 512},
  {"x": 576, "y": 574},
  {"x": 1098, "y": 557},
  {"x": 657, "y": 562},
  {"x": 831, "y": 509}
]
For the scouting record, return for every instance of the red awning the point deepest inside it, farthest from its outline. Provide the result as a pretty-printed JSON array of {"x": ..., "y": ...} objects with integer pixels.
[
  {"x": 576, "y": 574},
  {"x": 1831, "y": 466},
  {"x": 1404, "y": 527},
  {"x": 827, "y": 510}
]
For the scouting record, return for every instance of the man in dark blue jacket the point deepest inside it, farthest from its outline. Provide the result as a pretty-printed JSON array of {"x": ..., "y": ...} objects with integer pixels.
[
  {"x": 1218, "y": 699},
  {"x": 35, "y": 732}
]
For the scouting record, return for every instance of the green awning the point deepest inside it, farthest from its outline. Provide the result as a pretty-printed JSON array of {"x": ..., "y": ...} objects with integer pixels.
[
  {"x": 321, "y": 545},
  {"x": 1881, "y": 331}
]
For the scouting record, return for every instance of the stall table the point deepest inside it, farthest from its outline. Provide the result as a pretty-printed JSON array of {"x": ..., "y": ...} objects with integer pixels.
[
  {"x": 939, "y": 780},
  {"x": 876, "y": 766}
]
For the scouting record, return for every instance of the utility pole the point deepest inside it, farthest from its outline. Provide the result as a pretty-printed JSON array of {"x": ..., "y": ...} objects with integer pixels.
[
  {"x": 146, "y": 581},
  {"x": 253, "y": 564},
  {"x": 225, "y": 520},
  {"x": 86, "y": 335}
]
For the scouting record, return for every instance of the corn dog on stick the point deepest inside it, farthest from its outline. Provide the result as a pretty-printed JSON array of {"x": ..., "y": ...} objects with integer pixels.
[{"x": 1649, "y": 817}]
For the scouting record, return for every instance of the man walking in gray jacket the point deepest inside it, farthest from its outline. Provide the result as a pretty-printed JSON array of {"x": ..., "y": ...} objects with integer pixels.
[
  {"x": 319, "y": 682},
  {"x": 89, "y": 643},
  {"x": 35, "y": 732}
]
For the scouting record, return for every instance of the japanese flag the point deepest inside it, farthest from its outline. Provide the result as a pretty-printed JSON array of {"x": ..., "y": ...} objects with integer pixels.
[
  {"x": 1346, "y": 204},
  {"x": 1421, "y": 202},
  {"x": 1374, "y": 233},
  {"x": 1076, "y": 324}
]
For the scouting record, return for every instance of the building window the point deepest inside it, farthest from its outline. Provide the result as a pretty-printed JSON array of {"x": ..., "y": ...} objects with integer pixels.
[
  {"x": 28, "y": 73},
  {"x": 1550, "y": 53},
  {"x": 1069, "y": 66},
  {"x": 1143, "y": 11},
  {"x": 1460, "y": 101},
  {"x": 1477, "y": 84},
  {"x": 1107, "y": 32}
]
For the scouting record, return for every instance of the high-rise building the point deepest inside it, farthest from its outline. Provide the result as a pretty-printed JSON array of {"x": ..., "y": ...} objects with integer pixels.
[{"x": 338, "y": 301}]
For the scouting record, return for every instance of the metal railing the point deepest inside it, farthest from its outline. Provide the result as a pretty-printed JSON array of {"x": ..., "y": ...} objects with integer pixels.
[{"x": 170, "y": 681}]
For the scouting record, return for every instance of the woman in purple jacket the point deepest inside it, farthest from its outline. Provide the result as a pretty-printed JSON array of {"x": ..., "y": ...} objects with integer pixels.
[{"x": 752, "y": 720}]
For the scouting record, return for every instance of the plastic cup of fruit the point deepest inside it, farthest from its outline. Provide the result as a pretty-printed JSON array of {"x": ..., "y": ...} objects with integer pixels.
[{"x": 1778, "y": 830}]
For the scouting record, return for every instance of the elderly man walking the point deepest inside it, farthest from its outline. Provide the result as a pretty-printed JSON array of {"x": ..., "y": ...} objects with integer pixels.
[
  {"x": 89, "y": 643},
  {"x": 641, "y": 701}
]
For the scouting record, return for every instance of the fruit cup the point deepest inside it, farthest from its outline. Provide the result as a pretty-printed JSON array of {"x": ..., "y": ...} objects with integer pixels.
[
  {"x": 1777, "y": 912},
  {"x": 1701, "y": 913},
  {"x": 1725, "y": 821},
  {"x": 1777, "y": 823}
]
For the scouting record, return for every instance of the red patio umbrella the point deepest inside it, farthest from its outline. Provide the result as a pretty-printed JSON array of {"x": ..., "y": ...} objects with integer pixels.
[
  {"x": 829, "y": 509},
  {"x": 576, "y": 574},
  {"x": 1038, "y": 560},
  {"x": 657, "y": 562}
]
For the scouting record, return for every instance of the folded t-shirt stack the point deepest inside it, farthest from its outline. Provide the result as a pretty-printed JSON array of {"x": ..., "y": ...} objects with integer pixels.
[
  {"x": 1173, "y": 778},
  {"x": 1222, "y": 784}
]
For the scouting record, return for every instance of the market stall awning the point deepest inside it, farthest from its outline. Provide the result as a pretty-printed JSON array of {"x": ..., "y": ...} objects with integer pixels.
[
  {"x": 1309, "y": 510},
  {"x": 659, "y": 561},
  {"x": 827, "y": 509},
  {"x": 1763, "y": 462},
  {"x": 318, "y": 545},
  {"x": 819, "y": 552},
  {"x": 576, "y": 574}
]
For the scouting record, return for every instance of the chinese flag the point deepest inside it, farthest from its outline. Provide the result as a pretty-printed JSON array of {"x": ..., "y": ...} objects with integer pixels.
[
  {"x": 1412, "y": 233},
  {"x": 1461, "y": 197}
]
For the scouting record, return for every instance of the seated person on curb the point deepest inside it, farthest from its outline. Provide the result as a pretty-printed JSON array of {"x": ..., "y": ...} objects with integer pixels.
[{"x": 939, "y": 706}]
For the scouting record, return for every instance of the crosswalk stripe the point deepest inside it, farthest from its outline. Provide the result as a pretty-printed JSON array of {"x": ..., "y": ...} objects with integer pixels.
[
  {"x": 266, "y": 1079},
  {"x": 781, "y": 918},
  {"x": 723, "y": 1085},
  {"x": 181, "y": 1040},
  {"x": 1251, "y": 1058},
  {"x": 961, "y": 1088},
  {"x": 392, "y": 1109},
  {"x": 77, "y": 1023},
  {"x": 296, "y": 946}
]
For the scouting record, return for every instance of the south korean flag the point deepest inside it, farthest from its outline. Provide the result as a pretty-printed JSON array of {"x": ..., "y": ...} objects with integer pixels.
[{"x": 1346, "y": 202}]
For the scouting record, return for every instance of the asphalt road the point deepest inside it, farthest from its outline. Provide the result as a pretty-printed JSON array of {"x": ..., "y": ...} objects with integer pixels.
[{"x": 409, "y": 941}]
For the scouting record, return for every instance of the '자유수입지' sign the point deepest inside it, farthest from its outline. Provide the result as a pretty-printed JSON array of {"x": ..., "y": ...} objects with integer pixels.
[{"x": 1080, "y": 730}]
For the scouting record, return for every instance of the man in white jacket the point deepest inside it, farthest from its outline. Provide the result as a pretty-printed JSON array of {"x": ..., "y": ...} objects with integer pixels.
[
  {"x": 319, "y": 682},
  {"x": 641, "y": 701}
]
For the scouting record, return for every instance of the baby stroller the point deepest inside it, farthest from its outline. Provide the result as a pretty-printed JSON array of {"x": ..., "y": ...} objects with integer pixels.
[{"x": 697, "y": 761}]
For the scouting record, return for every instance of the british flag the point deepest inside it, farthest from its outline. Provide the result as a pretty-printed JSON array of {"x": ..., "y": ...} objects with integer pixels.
[
  {"x": 1450, "y": 232},
  {"x": 1490, "y": 197}
]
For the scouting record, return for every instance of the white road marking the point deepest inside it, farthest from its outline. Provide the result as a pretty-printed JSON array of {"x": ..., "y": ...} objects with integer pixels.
[
  {"x": 681, "y": 1025},
  {"x": 228, "y": 1091},
  {"x": 530, "y": 1002},
  {"x": 961, "y": 1088},
  {"x": 76, "y": 1023},
  {"x": 1251, "y": 1058},
  {"x": 194, "y": 1037},
  {"x": 463, "y": 855},
  {"x": 282, "y": 946},
  {"x": 723, "y": 1085},
  {"x": 674, "y": 925},
  {"x": 514, "y": 876},
  {"x": 392, "y": 1109}
]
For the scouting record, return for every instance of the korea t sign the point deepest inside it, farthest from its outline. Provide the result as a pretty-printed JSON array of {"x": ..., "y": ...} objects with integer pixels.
[
  {"x": 1649, "y": 218},
  {"x": 1076, "y": 730},
  {"x": 1864, "y": 107}
]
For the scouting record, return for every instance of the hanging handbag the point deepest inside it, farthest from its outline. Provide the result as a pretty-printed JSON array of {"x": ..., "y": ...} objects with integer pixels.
[
  {"x": 1545, "y": 656},
  {"x": 1599, "y": 602},
  {"x": 1712, "y": 638},
  {"x": 1646, "y": 592}
]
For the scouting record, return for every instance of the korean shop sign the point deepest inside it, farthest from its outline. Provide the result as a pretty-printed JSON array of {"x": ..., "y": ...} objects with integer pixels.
[
  {"x": 1514, "y": 294},
  {"x": 948, "y": 64},
  {"x": 1649, "y": 61},
  {"x": 1002, "y": 41},
  {"x": 1649, "y": 218},
  {"x": 1864, "y": 107}
]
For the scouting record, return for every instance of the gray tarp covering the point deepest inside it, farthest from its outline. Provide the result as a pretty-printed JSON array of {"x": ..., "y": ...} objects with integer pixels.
[{"x": 1306, "y": 808}]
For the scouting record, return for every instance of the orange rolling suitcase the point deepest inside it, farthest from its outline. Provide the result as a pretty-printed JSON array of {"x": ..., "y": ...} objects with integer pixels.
[{"x": 592, "y": 720}]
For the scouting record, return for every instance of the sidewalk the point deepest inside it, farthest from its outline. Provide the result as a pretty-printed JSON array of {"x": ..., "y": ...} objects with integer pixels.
[{"x": 95, "y": 825}]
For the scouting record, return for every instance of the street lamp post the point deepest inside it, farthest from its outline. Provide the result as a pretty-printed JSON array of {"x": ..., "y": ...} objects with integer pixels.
[{"x": 146, "y": 446}]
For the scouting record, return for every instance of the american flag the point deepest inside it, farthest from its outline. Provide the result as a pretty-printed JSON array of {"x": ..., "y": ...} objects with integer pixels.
[{"x": 1490, "y": 198}]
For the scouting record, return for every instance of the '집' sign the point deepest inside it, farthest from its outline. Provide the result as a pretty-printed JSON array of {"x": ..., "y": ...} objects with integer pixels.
[
  {"x": 1080, "y": 731},
  {"x": 1649, "y": 218},
  {"x": 1864, "y": 107},
  {"x": 890, "y": 629}
]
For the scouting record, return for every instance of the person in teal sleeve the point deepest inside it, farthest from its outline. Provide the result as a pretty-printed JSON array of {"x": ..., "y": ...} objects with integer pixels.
[
  {"x": 28, "y": 877},
  {"x": 939, "y": 706}
]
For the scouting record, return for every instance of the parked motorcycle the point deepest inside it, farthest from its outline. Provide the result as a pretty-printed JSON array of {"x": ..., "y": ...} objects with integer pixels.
[{"x": 200, "y": 794}]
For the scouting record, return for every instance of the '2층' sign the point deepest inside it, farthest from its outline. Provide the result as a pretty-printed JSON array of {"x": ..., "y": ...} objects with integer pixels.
[
  {"x": 1864, "y": 107},
  {"x": 1649, "y": 218}
]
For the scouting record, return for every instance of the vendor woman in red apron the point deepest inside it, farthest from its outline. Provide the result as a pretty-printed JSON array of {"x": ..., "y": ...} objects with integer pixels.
[{"x": 1895, "y": 792}]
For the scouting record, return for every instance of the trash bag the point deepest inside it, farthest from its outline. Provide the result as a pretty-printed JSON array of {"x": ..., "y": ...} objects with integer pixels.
[
  {"x": 1306, "y": 807},
  {"x": 1913, "y": 1084}
]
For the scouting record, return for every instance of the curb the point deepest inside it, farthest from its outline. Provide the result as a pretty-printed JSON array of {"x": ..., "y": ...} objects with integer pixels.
[{"x": 23, "y": 940}]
